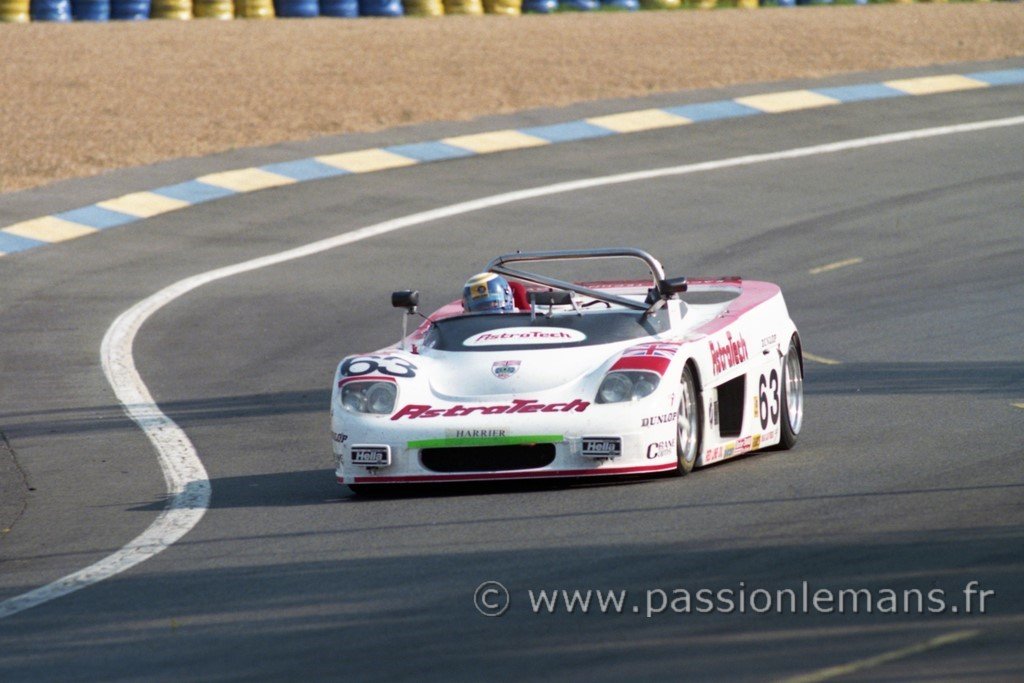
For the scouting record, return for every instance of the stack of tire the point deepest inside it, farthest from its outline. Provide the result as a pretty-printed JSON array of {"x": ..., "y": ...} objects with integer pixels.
[{"x": 21, "y": 11}]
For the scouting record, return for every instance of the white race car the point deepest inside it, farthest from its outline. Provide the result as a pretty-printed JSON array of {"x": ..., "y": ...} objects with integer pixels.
[{"x": 580, "y": 380}]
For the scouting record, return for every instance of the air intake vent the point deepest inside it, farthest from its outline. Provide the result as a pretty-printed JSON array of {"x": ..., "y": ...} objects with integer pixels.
[{"x": 488, "y": 458}]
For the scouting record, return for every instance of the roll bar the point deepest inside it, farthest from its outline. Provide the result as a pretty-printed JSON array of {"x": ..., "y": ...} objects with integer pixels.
[{"x": 662, "y": 289}]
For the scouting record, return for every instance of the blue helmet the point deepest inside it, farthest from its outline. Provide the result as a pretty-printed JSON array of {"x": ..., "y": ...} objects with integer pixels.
[{"x": 487, "y": 292}]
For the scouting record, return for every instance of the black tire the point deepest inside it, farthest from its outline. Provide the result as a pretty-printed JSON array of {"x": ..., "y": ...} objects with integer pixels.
[
  {"x": 689, "y": 424},
  {"x": 792, "y": 418}
]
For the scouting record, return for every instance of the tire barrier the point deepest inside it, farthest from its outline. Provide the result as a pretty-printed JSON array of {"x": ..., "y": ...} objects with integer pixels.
[
  {"x": 254, "y": 9},
  {"x": 297, "y": 9},
  {"x": 464, "y": 7},
  {"x": 50, "y": 10},
  {"x": 344, "y": 9},
  {"x": 14, "y": 11},
  {"x": 506, "y": 7},
  {"x": 424, "y": 8},
  {"x": 171, "y": 9},
  {"x": 381, "y": 8},
  {"x": 214, "y": 9},
  {"x": 129, "y": 10},
  {"x": 90, "y": 10},
  {"x": 22, "y": 11},
  {"x": 580, "y": 5},
  {"x": 540, "y": 6}
]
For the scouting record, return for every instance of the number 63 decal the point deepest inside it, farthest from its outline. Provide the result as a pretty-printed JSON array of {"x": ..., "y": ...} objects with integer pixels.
[
  {"x": 768, "y": 399},
  {"x": 371, "y": 365}
]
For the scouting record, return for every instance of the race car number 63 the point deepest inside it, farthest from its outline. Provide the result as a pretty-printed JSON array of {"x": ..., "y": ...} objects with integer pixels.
[
  {"x": 384, "y": 365},
  {"x": 764, "y": 385}
]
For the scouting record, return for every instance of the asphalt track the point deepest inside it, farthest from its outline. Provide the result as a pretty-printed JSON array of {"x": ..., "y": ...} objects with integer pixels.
[{"x": 908, "y": 474}]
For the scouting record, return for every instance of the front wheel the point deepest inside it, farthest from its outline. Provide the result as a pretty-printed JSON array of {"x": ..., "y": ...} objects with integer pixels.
[
  {"x": 688, "y": 424},
  {"x": 792, "y": 395}
]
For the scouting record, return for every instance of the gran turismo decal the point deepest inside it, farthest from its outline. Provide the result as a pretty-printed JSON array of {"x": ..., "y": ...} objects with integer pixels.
[
  {"x": 658, "y": 419},
  {"x": 602, "y": 446},
  {"x": 418, "y": 411},
  {"x": 526, "y": 336},
  {"x": 393, "y": 366},
  {"x": 503, "y": 369},
  {"x": 768, "y": 399},
  {"x": 660, "y": 449},
  {"x": 728, "y": 353}
]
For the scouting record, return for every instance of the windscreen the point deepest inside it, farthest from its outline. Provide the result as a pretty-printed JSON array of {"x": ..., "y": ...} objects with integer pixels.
[{"x": 515, "y": 331}]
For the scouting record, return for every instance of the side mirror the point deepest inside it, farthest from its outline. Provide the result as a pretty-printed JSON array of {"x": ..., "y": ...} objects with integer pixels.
[
  {"x": 552, "y": 298},
  {"x": 408, "y": 299},
  {"x": 671, "y": 286}
]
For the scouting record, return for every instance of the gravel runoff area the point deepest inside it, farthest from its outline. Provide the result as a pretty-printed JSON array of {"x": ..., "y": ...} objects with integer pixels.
[{"x": 79, "y": 99}]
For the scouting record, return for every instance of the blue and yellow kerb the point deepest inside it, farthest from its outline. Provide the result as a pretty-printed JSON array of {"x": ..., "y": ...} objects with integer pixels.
[{"x": 138, "y": 206}]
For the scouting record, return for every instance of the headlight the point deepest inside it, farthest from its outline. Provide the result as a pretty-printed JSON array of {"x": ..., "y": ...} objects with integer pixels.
[
  {"x": 626, "y": 386},
  {"x": 369, "y": 397}
]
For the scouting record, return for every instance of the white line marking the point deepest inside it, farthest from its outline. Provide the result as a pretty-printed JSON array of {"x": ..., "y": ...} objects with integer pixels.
[
  {"x": 884, "y": 658},
  {"x": 820, "y": 359},
  {"x": 187, "y": 481},
  {"x": 835, "y": 266}
]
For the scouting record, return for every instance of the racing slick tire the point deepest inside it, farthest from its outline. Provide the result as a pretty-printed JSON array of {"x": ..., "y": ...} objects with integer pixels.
[
  {"x": 689, "y": 423},
  {"x": 792, "y": 418}
]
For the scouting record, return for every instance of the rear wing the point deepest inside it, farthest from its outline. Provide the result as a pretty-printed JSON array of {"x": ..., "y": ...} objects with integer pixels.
[{"x": 661, "y": 289}]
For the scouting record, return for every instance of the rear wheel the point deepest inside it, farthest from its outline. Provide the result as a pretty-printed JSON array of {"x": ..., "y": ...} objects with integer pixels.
[
  {"x": 688, "y": 424},
  {"x": 792, "y": 395}
]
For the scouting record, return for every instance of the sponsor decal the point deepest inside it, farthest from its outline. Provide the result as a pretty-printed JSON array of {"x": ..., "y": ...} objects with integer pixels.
[
  {"x": 743, "y": 445},
  {"x": 339, "y": 438},
  {"x": 371, "y": 456},
  {"x": 660, "y": 449},
  {"x": 659, "y": 419},
  {"x": 654, "y": 357},
  {"x": 602, "y": 446},
  {"x": 415, "y": 411},
  {"x": 526, "y": 335},
  {"x": 755, "y": 443},
  {"x": 391, "y": 366},
  {"x": 727, "y": 354},
  {"x": 475, "y": 433},
  {"x": 770, "y": 340},
  {"x": 503, "y": 369},
  {"x": 729, "y": 449},
  {"x": 713, "y": 455},
  {"x": 713, "y": 412}
]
